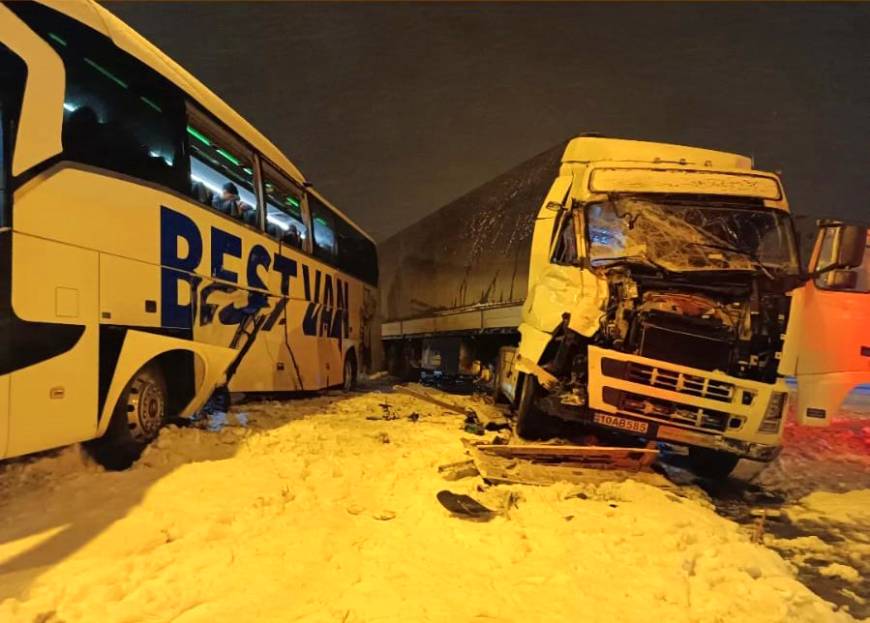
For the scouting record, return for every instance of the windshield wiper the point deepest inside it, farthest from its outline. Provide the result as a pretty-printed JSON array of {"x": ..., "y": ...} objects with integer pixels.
[{"x": 745, "y": 252}]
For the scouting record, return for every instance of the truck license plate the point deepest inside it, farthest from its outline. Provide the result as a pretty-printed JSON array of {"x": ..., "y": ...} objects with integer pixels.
[{"x": 614, "y": 421}]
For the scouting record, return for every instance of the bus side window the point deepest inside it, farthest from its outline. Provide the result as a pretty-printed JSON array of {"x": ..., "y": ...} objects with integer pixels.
[
  {"x": 221, "y": 170},
  {"x": 14, "y": 71},
  {"x": 356, "y": 253},
  {"x": 284, "y": 219},
  {"x": 323, "y": 224},
  {"x": 118, "y": 114}
]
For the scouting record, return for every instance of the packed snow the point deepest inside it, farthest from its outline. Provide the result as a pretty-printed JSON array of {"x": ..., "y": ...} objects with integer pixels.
[{"x": 324, "y": 509}]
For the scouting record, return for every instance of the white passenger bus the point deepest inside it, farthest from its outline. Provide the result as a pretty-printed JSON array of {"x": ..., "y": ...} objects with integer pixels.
[{"x": 154, "y": 246}]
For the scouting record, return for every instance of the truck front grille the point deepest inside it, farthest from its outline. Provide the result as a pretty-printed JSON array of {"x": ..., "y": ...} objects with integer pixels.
[{"x": 671, "y": 380}]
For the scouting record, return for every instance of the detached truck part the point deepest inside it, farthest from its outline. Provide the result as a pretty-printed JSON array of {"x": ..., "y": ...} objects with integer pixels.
[{"x": 654, "y": 290}]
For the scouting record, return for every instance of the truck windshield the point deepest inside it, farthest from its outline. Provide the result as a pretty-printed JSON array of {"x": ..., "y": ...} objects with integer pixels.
[{"x": 691, "y": 236}]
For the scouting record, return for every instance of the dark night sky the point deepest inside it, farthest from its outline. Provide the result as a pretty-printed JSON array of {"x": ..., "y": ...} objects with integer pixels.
[{"x": 395, "y": 109}]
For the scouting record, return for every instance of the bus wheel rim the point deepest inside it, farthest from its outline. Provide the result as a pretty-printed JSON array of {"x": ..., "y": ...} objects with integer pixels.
[{"x": 144, "y": 410}]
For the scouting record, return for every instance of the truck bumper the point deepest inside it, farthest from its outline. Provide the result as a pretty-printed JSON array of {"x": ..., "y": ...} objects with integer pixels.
[{"x": 685, "y": 406}]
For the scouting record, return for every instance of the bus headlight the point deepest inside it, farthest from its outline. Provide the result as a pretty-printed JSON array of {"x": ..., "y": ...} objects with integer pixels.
[{"x": 773, "y": 414}]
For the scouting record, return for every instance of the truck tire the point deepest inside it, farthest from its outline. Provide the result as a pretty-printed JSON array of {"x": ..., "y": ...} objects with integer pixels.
[
  {"x": 136, "y": 420},
  {"x": 531, "y": 422},
  {"x": 713, "y": 464},
  {"x": 496, "y": 381}
]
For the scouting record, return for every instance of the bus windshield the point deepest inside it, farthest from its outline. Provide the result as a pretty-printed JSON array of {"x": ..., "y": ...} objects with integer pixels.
[{"x": 691, "y": 236}]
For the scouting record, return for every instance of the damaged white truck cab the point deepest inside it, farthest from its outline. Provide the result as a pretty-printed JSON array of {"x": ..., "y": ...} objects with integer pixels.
[{"x": 666, "y": 300}]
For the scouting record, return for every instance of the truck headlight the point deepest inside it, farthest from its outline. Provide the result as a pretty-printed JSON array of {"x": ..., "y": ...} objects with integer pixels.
[{"x": 773, "y": 414}]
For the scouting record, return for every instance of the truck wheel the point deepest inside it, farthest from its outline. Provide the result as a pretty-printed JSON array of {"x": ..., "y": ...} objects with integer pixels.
[
  {"x": 496, "y": 382},
  {"x": 349, "y": 379},
  {"x": 531, "y": 422},
  {"x": 136, "y": 420},
  {"x": 713, "y": 464}
]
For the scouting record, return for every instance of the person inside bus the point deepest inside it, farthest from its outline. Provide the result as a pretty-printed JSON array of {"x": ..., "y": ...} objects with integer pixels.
[
  {"x": 292, "y": 237},
  {"x": 229, "y": 203}
]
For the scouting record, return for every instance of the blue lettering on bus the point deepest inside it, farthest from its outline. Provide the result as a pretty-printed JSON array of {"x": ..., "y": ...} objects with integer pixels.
[
  {"x": 326, "y": 313},
  {"x": 223, "y": 243},
  {"x": 176, "y": 268},
  {"x": 287, "y": 268}
]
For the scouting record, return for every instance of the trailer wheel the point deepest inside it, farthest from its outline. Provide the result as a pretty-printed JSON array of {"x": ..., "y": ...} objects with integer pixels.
[
  {"x": 136, "y": 420},
  {"x": 350, "y": 378},
  {"x": 713, "y": 464},
  {"x": 531, "y": 422}
]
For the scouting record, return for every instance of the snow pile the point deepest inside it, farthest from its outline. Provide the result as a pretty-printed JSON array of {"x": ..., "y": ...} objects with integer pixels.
[
  {"x": 309, "y": 511},
  {"x": 834, "y": 553},
  {"x": 852, "y": 507}
]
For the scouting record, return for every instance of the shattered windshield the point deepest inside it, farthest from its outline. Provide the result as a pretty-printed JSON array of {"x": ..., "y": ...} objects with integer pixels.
[{"x": 690, "y": 236}]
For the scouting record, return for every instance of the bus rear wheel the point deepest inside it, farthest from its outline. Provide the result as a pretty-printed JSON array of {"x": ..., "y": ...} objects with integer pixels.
[
  {"x": 349, "y": 379},
  {"x": 136, "y": 420}
]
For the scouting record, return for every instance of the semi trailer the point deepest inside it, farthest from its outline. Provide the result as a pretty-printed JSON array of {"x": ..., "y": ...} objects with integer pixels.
[{"x": 643, "y": 288}]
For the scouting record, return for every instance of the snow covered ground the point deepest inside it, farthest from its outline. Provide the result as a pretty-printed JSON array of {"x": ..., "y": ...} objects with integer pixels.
[{"x": 309, "y": 511}]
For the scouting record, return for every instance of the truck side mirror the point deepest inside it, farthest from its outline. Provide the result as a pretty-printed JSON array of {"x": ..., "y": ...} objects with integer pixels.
[
  {"x": 840, "y": 280},
  {"x": 850, "y": 250},
  {"x": 846, "y": 250}
]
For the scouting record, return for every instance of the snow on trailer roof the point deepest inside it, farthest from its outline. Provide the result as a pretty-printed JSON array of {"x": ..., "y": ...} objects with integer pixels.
[
  {"x": 105, "y": 22},
  {"x": 584, "y": 149}
]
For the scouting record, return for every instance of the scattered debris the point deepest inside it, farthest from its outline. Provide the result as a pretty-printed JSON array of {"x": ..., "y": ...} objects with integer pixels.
[
  {"x": 472, "y": 425},
  {"x": 544, "y": 464},
  {"x": 464, "y": 506},
  {"x": 387, "y": 415},
  {"x": 458, "y": 471},
  {"x": 383, "y": 437},
  {"x": 601, "y": 457},
  {"x": 422, "y": 394}
]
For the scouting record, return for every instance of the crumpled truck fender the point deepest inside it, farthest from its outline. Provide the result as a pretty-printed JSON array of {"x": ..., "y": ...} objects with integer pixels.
[
  {"x": 140, "y": 347},
  {"x": 533, "y": 341},
  {"x": 560, "y": 289},
  {"x": 566, "y": 289}
]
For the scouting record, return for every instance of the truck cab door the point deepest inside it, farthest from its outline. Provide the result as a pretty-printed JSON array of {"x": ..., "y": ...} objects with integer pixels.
[{"x": 828, "y": 337}]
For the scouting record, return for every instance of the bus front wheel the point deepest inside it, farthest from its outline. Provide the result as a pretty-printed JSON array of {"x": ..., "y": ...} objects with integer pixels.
[{"x": 136, "y": 420}]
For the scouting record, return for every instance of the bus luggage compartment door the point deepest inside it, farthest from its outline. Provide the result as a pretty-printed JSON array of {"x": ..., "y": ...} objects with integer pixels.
[{"x": 54, "y": 345}]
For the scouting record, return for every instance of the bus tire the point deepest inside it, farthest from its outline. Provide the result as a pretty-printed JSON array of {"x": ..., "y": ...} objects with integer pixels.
[
  {"x": 136, "y": 420},
  {"x": 531, "y": 422},
  {"x": 349, "y": 378},
  {"x": 713, "y": 464}
]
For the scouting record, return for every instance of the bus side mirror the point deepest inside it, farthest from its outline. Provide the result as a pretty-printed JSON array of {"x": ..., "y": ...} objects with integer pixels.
[{"x": 850, "y": 251}]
